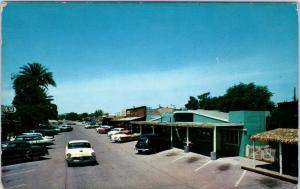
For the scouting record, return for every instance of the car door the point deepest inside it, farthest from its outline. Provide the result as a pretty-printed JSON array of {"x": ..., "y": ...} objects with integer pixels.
[
  {"x": 23, "y": 150},
  {"x": 9, "y": 153}
]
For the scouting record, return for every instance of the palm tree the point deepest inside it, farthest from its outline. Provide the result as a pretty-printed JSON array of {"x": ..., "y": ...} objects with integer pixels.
[
  {"x": 31, "y": 99},
  {"x": 33, "y": 75}
]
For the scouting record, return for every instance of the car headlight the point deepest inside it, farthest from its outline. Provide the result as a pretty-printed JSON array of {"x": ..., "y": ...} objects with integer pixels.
[
  {"x": 69, "y": 155},
  {"x": 93, "y": 154}
]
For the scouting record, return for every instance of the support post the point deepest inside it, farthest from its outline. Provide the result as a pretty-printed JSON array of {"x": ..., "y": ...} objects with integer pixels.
[
  {"x": 213, "y": 154},
  {"x": 186, "y": 147},
  {"x": 153, "y": 129},
  {"x": 280, "y": 158},
  {"x": 215, "y": 139},
  {"x": 171, "y": 136},
  {"x": 140, "y": 129},
  {"x": 253, "y": 154},
  {"x": 187, "y": 137}
]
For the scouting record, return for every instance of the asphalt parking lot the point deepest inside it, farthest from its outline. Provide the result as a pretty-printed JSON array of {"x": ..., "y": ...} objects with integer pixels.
[
  {"x": 120, "y": 167},
  {"x": 199, "y": 171}
]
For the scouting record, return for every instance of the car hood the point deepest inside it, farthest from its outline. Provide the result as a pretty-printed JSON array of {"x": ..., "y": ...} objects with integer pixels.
[{"x": 80, "y": 152}]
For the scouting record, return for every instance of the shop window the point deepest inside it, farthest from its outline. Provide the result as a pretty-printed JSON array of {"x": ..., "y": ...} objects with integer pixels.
[{"x": 231, "y": 137}]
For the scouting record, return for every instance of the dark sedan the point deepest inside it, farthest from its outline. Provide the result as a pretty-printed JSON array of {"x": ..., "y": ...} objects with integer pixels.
[{"x": 20, "y": 150}]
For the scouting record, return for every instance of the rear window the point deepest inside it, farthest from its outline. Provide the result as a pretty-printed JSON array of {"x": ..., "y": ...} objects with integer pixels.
[{"x": 79, "y": 145}]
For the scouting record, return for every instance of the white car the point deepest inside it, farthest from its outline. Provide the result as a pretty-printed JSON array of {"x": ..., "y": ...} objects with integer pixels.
[
  {"x": 124, "y": 136},
  {"x": 114, "y": 131},
  {"x": 80, "y": 151}
]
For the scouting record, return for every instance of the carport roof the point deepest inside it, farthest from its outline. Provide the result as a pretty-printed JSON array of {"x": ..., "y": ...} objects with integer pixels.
[
  {"x": 127, "y": 119},
  {"x": 283, "y": 135},
  {"x": 187, "y": 124}
]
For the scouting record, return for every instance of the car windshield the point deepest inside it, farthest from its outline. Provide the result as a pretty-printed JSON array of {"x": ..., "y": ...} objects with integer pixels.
[
  {"x": 143, "y": 139},
  {"x": 79, "y": 145}
]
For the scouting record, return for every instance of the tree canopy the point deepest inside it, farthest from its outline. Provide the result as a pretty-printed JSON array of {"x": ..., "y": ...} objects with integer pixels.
[
  {"x": 238, "y": 97},
  {"x": 32, "y": 102}
]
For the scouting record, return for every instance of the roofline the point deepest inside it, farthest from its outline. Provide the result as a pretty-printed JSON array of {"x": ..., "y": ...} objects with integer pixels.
[
  {"x": 209, "y": 116},
  {"x": 188, "y": 124}
]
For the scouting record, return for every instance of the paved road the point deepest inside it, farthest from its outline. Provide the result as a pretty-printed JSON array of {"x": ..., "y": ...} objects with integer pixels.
[
  {"x": 119, "y": 167},
  {"x": 116, "y": 168}
]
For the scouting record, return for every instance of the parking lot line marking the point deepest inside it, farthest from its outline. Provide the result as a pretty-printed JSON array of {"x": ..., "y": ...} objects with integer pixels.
[
  {"x": 240, "y": 179},
  {"x": 179, "y": 158},
  {"x": 31, "y": 170},
  {"x": 17, "y": 186},
  {"x": 202, "y": 166}
]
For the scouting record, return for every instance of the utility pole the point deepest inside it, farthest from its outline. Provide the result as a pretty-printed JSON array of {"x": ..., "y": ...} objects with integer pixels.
[{"x": 295, "y": 99}]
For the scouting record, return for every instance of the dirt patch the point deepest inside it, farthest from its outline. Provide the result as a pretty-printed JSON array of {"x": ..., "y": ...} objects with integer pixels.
[
  {"x": 270, "y": 183},
  {"x": 192, "y": 159},
  {"x": 172, "y": 154},
  {"x": 224, "y": 167}
]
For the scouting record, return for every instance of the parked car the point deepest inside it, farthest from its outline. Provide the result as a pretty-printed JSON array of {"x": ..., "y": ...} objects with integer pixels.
[
  {"x": 124, "y": 136},
  {"x": 65, "y": 128},
  {"x": 45, "y": 131},
  {"x": 91, "y": 126},
  {"x": 34, "y": 139},
  {"x": 103, "y": 129},
  {"x": 114, "y": 131},
  {"x": 152, "y": 143},
  {"x": 79, "y": 151},
  {"x": 40, "y": 134},
  {"x": 21, "y": 150}
]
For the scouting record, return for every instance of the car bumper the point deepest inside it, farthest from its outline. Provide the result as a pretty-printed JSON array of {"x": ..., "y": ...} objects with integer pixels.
[
  {"x": 85, "y": 159},
  {"x": 142, "y": 149}
]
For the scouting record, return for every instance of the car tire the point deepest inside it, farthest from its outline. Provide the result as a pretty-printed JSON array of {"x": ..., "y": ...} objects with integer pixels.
[{"x": 28, "y": 154}]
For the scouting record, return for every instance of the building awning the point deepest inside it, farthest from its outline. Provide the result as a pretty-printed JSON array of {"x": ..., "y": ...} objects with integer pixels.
[
  {"x": 127, "y": 119},
  {"x": 283, "y": 135},
  {"x": 187, "y": 124}
]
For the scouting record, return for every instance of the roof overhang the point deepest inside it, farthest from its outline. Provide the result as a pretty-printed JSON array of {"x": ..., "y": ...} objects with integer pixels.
[
  {"x": 128, "y": 118},
  {"x": 187, "y": 124},
  {"x": 283, "y": 135}
]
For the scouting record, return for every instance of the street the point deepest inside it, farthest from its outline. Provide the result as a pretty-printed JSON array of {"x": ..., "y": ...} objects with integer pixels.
[{"x": 120, "y": 167}]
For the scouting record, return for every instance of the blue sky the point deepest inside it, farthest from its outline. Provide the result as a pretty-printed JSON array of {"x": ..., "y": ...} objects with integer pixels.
[{"x": 113, "y": 56}]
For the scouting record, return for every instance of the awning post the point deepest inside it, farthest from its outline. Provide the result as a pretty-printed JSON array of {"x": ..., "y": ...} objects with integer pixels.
[
  {"x": 153, "y": 129},
  {"x": 171, "y": 136},
  {"x": 253, "y": 154},
  {"x": 215, "y": 139},
  {"x": 140, "y": 129},
  {"x": 280, "y": 158},
  {"x": 187, "y": 137}
]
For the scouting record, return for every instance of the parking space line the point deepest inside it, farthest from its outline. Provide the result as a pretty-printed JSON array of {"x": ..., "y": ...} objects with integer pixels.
[
  {"x": 31, "y": 170},
  {"x": 202, "y": 166},
  {"x": 240, "y": 179},
  {"x": 179, "y": 158},
  {"x": 17, "y": 186}
]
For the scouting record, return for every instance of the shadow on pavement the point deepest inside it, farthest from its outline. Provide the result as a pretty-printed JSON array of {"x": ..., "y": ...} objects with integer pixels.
[
  {"x": 15, "y": 162},
  {"x": 83, "y": 164}
]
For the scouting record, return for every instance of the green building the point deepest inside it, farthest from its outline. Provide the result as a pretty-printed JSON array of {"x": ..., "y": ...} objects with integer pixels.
[{"x": 209, "y": 132}]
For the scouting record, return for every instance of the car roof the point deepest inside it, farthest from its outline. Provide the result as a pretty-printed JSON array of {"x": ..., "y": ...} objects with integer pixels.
[{"x": 77, "y": 141}]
